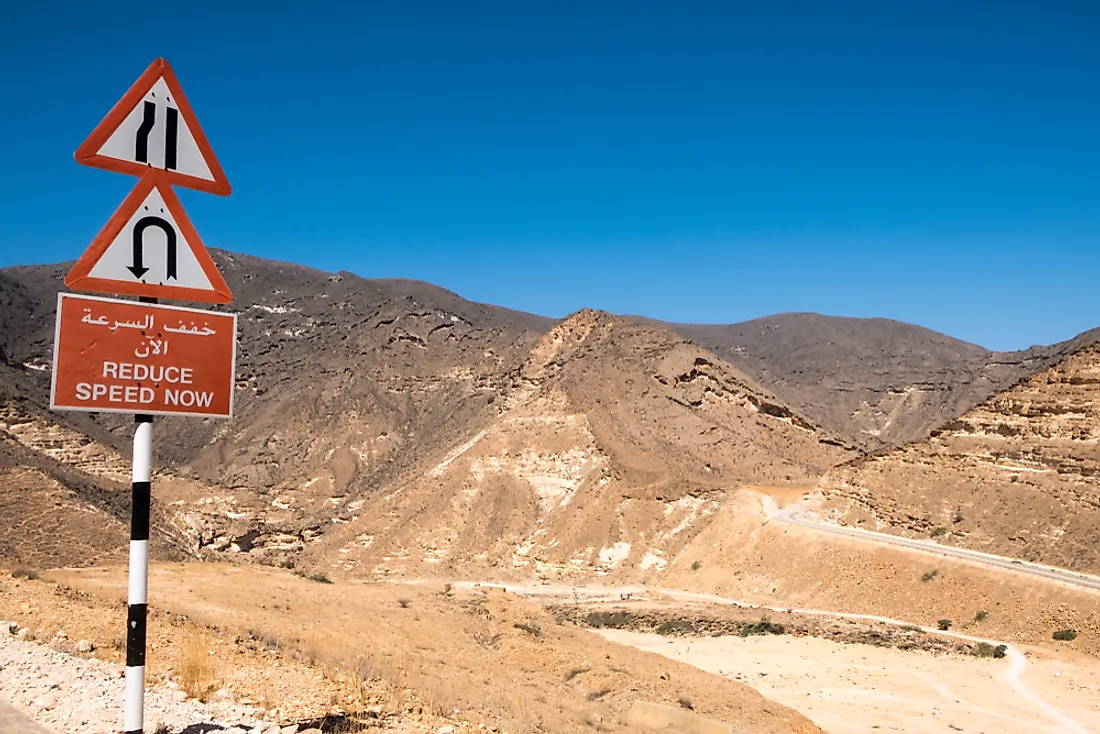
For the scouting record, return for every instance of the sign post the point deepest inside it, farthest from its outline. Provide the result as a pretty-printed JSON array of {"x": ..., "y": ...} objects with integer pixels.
[
  {"x": 141, "y": 357},
  {"x": 137, "y": 585}
]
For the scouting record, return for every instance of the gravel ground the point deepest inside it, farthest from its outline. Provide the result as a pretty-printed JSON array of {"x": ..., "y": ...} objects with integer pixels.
[{"x": 83, "y": 695}]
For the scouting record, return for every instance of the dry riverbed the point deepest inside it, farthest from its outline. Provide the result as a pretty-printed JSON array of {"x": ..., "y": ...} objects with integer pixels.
[{"x": 865, "y": 689}]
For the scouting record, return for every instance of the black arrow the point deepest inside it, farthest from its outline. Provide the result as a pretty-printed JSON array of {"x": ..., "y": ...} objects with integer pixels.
[{"x": 139, "y": 246}]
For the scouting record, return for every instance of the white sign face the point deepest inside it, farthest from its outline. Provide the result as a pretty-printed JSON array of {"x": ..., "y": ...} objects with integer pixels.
[
  {"x": 154, "y": 133},
  {"x": 152, "y": 248}
]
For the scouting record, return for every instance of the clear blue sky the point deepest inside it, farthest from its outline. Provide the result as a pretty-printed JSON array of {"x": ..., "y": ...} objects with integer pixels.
[{"x": 933, "y": 162}]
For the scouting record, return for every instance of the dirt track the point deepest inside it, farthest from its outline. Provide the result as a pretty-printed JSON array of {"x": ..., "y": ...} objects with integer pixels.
[{"x": 798, "y": 515}]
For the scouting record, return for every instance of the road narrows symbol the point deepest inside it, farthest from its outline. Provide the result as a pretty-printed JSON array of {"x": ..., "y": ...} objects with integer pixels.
[{"x": 171, "y": 134}]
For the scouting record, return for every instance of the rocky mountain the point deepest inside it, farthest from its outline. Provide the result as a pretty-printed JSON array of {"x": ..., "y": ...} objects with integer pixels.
[
  {"x": 612, "y": 440},
  {"x": 341, "y": 383},
  {"x": 353, "y": 392},
  {"x": 1019, "y": 475},
  {"x": 382, "y": 425},
  {"x": 880, "y": 380},
  {"x": 55, "y": 513}
]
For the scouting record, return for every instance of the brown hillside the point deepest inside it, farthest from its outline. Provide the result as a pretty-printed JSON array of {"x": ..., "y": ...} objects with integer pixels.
[
  {"x": 1019, "y": 475},
  {"x": 603, "y": 460},
  {"x": 388, "y": 399},
  {"x": 54, "y": 514},
  {"x": 872, "y": 380},
  {"x": 343, "y": 385},
  {"x": 878, "y": 379}
]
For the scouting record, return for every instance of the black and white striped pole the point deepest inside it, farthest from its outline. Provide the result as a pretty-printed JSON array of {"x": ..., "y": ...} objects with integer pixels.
[
  {"x": 137, "y": 599},
  {"x": 137, "y": 596}
]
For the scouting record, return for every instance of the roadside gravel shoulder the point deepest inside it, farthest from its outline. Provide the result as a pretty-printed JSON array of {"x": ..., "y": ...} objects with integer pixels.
[{"x": 77, "y": 695}]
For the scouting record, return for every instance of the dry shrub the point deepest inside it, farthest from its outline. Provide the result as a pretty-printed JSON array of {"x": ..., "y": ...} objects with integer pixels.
[{"x": 196, "y": 671}]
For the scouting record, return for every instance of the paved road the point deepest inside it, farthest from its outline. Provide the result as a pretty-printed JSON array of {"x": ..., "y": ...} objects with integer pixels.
[
  {"x": 799, "y": 515},
  {"x": 13, "y": 722}
]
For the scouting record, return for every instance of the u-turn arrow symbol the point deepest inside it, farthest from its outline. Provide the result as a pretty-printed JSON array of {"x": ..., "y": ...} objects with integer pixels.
[{"x": 138, "y": 268}]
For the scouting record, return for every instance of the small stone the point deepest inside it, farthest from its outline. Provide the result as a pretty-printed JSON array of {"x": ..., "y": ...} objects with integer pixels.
[
  {"x": 84, "y": 647},
  {"x": 61, "y": 636},
  {"x": 292, "y": 729},
  {"x": 448, "y": 729},
  {"x": 222, "y": 694},
  {"x": 310, "y": 731},
  {"x": 46, "y": 701},
  {"x": 24, "y": 633}
]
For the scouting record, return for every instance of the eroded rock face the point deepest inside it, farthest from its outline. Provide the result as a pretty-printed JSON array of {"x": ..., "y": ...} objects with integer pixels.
[
  {"x": 615, "y": 446},
  {"x": 343, "y": 386},
  {"x": 1018, "y": 475},
  {"x": 391, "y": 426},
  {"x": 876, "y": 381}
]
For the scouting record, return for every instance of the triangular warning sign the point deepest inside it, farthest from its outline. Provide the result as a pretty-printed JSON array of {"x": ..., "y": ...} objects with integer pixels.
[
  {"x": 149, "y": 248},
  {"x": 153, "y": 126}
]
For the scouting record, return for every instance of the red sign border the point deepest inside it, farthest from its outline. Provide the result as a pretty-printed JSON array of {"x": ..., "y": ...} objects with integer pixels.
[
  {"x": 57, "y": 342},
  {"x": 88, "y": 152},
  {"x": 78, "y": 278}
]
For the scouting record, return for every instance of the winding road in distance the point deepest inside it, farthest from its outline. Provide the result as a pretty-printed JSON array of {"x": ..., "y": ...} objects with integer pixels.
[{"x": 797, "y": 514}]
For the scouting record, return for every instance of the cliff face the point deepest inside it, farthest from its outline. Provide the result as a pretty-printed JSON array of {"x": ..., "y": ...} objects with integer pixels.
[
  {"x": 1018, "y": 475},
  {"x": 613, "y": 446},
  {"x": 876, "y": 381}
]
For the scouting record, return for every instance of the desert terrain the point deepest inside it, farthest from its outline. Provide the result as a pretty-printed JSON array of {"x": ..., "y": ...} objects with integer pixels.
[{"x": 422, "y": 501}]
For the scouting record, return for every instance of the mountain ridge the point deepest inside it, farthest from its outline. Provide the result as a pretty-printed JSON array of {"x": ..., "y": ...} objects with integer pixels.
[{"x": 876, "y": 381}]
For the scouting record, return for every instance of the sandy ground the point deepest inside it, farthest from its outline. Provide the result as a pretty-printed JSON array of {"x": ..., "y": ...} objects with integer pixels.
[
  {"x": 860, "y": 689},
  {"x": 463, "y": 657}
]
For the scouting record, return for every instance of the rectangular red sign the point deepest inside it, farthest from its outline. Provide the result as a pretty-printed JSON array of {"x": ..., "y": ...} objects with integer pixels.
[{"x": 112, "y": 356}]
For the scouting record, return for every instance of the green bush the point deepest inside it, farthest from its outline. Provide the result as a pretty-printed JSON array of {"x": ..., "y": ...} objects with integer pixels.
[
  {"x": 929, "y": 575},
  {"x": 981, "y": 616},
  {"x": 937, "y": 532},
  {"x": 674, "y": 626},
  {"x": 1065, "y": 635},
  {"x": 696, "y": 565},
  {"x": 611, "y": 620},
  {"x": 983, "y": 650},
  {"x": 764, "y": 627},
  {"x": 944, "y": 624}
]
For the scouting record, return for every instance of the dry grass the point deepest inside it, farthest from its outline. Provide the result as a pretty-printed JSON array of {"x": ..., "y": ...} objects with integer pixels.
[
  {"x": 476, "y": 652},
  {"x": 196, "y": 671}
]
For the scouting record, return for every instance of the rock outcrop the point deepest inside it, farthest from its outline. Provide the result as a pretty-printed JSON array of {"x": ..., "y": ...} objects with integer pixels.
[{"x": 1019, "y": 475}]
